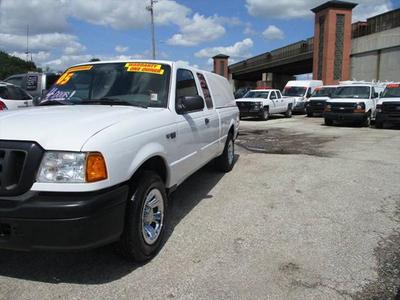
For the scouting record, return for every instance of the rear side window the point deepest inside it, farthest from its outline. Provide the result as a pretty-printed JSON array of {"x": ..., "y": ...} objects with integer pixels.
[
  {"x": 16, "y": 93},
  {"x": 185, "y": 84},
  {"x": 206, "y": 90},
  {"x": 273, "y": 96},
  {"x": 278, "y": 94},
  {"x": 16, "y": 80}
]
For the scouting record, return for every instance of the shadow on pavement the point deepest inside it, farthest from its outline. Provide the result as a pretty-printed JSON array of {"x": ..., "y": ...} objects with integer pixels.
[{"x": 102, "y": 265}]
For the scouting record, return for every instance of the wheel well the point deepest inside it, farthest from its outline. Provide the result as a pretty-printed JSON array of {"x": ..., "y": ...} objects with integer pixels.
[
  {"x": 232, "y": 130},
  {"x": 156, "y": 164}
]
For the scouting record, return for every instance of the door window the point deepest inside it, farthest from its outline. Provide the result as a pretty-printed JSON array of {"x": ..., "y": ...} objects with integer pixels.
[
  {"x": 185, "y": 84},
  {"x": 273, "y": 96},
  {"x": 278, "y": 95}
]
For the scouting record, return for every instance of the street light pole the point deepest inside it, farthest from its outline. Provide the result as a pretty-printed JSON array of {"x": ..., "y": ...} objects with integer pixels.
[{"x": 150, "y": 8}]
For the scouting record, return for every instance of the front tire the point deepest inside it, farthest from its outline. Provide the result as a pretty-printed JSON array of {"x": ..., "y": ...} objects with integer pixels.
[
  {"x": 146, "y": 216},
  {"x": 328, "y": 122},
  {"x": 367, "y": 122},
  {"x": 379, "y": 124},
  {"x": 289, "y": 112},
  {"x": 310, "y": 114},
  {"x": 226, "y": 160},
  {"x": 265, "y": 114}
]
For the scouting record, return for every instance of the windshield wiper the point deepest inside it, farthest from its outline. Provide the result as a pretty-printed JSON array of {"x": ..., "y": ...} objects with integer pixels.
[
  {"x": 54, "y": 102},
  {"x": 110, "y": 101}
]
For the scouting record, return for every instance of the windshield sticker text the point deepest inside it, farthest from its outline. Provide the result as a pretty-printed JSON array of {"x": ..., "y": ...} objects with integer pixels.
[{"x": 144, "y": 68}]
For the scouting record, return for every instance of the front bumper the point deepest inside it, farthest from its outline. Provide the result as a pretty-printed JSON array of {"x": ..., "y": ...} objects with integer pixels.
[
  {"x": 345, "y": 117},
  {"x": 299, "y": 107},
  {"x": 62, "y": 221},
  {"x": 315, "y": 108},
  {"x": 251, "y": 112},
  {"x": 387, "y": 117}
]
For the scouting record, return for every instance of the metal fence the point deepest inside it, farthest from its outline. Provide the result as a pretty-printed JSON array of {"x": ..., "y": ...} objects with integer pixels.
[{"x": 376, "y": 24}]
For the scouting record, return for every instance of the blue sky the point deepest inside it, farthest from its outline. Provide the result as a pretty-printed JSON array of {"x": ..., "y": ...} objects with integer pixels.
[{"x": 73, "y": 31}]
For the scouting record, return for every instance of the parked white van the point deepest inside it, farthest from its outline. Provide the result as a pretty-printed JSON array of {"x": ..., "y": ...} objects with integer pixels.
[
  {"x": 94, "y": 163},
  {"x": 353, "y": 103},
  {"x": 316, "y": 103},
  {"x": 300, "y": 91},
  {"x": 388, "y": 106}
]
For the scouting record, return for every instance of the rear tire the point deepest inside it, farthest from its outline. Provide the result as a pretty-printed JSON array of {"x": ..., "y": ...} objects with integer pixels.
[
  {"x": 289, "y": 112},
  {"x": 226, "y": 160},
  {"x": 146, "y": 215},
  {"x": 265, "y": 114},
  {"x": 310, "y": 114},
  {"x": 328, "y": 122}
]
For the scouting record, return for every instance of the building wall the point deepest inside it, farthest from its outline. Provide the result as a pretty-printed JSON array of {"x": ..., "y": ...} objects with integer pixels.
[{"x": 376, "y": 56}]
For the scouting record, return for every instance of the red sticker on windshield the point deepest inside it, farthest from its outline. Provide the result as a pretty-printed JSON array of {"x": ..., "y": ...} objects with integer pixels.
[
  {"x": 393, "y": 86},
  {"x": 144, "y": 68}
]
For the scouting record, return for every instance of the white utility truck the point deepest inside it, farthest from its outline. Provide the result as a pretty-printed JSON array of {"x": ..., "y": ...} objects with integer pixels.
[
  {"x": 300, "y": 91},
  {"x": 94, "y": 162},
  {"x": 353, "y": 102},
  {"x": 264, "y": 102},
  {"x": 388, "y": 106}
]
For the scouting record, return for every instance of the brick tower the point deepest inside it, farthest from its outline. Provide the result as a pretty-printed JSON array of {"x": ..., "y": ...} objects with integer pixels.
[
  {"x": 221, "y": 65},
  {"x": 332, "y": 41}
]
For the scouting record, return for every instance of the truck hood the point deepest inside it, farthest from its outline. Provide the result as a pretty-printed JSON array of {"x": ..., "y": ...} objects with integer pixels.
[
  {"x": 388, "y": 100},
  {"x": 347, "y": 100},
  {"x": 250, "y": 100},
  {"x": 63, "y": 127},
  {"x": 319, "y": 99}
]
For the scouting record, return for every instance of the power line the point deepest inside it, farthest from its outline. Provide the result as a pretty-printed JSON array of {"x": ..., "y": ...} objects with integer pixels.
[{"x": 150, "y": 8}]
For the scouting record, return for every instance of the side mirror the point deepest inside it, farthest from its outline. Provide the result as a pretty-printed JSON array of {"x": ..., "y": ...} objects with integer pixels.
[
  {"x": 376, "y": 95},
  {"x": 37, "y": 100},
  {"x": 189, "y": 104}
]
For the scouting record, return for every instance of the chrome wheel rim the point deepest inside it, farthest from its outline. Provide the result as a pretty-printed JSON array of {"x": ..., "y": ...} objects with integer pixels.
[
  {"x": 152, "y": 216},
  {"x": 231, "y": 152}
]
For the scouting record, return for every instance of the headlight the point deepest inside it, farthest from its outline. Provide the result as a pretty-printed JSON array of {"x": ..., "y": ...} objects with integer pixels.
[
  {"x": 328, "y": 107},
  {"x": 72, "y": 167},
  {"x": 360, "y": 108}
]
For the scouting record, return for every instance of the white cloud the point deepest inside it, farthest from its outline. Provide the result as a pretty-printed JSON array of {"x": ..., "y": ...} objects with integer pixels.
[
  {"x": 41, "y": 42},
  {"x": 238, "y": 50},
  {"x": 248, "y": 30},
  {"x": 121, "y": 49},
  {"x": 184, "y": 62},
  {"x": 273, "y": 33},
  {"x": 288, "y": 9},
  {"x": 197, "y": 30}
]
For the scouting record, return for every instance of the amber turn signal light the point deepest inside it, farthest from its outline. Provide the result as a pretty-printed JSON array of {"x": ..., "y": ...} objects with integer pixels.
[{"x": 96, "y": 169}]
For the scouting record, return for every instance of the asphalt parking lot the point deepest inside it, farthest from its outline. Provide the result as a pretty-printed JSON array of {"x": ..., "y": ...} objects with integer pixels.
[{"x": 309, "y": 212}]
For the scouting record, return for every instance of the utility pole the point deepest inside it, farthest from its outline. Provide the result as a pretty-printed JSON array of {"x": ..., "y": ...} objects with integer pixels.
[
  {"x": 150, "y": 8},
  {"x": 27, "y": 43}
]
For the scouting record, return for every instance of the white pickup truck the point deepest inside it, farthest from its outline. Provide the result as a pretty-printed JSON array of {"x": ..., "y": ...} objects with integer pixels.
[
  {"x": 95, "y": 161},
  {"x": 264, "y": 102}
]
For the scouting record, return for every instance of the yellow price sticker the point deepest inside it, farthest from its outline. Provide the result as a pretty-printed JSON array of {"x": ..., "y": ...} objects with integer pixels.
[
  {"x": 144, "y": 68},
  {"x": 66, "y": 77}
]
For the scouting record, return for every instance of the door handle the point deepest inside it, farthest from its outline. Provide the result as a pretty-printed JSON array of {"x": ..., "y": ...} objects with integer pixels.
[{"x": 207, "y": 121}]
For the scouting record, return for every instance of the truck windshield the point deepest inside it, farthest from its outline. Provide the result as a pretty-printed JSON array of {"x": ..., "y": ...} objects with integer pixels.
[
  {"x": 323, "y": 92},
  {"x": 135, "y": 84},
  {"x": 294, "y": 91},
  {"x": 352, "y": 92},
  {"x": 256, "y": 94},
  {"x": 392, "y": 91}
]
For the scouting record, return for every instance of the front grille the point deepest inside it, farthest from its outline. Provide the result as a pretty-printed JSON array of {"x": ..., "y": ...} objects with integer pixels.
[
  {"x": 317, "y": 105},
  {"x": 245, "y": 106},
  {"x": 392, "y": 108},
  {"x": 343, "y": 107},
  {"x": 19, "y": 162}
]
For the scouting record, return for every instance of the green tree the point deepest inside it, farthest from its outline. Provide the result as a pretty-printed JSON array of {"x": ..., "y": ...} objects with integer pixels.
[{"x": 10, "y": 65}]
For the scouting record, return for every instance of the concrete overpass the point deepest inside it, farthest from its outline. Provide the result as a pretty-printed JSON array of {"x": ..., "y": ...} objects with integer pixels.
[
  {"x": 338, "y": 51},
  {"x": 275, "y": 67}
]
